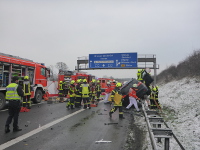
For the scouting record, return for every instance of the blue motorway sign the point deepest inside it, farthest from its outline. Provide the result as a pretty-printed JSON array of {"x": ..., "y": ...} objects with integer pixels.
[{"x": 113, "y": 60}]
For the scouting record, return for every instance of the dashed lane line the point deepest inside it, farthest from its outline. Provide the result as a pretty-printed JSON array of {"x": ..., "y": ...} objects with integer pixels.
[{"x": 20, "y": 138}]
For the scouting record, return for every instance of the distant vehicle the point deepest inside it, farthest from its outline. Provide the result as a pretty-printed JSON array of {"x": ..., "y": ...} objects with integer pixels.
[
  {"x": 77, "y": 76},
  {"x": 65, "y": 75},
  {"x": 15, "y": 66},
  {"x": 104, "y": 81}
]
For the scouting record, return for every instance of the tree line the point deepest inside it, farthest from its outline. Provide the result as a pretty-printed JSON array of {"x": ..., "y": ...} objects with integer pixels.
[{"x": 189, "y": 67}]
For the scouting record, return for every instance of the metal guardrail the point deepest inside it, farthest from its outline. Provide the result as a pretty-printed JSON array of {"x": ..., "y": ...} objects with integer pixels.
[{"x": 154, "y": 123}]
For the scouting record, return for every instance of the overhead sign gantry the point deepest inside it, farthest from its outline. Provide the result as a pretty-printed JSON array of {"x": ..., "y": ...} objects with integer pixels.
[
  {"x": 113, "y": 60},
  {"x": 118, "y": 61}
]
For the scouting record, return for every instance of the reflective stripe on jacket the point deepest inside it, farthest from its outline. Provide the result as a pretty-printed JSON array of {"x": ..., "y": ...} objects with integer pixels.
[
  {"x": 85, "y": 90},
  {"x": 60, "y": 86},
  {"x": 98, "y": 88},
  {"x": 11, "y": 93},
  {"x": 26, "y": 87}
]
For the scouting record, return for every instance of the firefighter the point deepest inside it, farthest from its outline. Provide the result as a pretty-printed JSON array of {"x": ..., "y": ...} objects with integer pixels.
[
  {"x": 85, "y": 92},
  {"x": 61, "y": 89},
  {"x": 108, "y": 92},
  {"x": 140, "y": 75},
  {"x": 154, "y": 98},
  {"x": 117, "y": 97},
  {"x": 78, "y": 94},
  {"x": 13, "y": 95},
  {"x": 133, "y": 97},
  {"x": 72, "y": 95},
  {"x": 27, "y": 93},
  {"x": 65, "y": 88},
  {"x": 98, "y": 90},
  {"x": 93, "y": 91}
]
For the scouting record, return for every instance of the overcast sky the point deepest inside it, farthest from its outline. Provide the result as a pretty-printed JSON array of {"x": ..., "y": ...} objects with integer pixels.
[{"x": 52, "y": 31}]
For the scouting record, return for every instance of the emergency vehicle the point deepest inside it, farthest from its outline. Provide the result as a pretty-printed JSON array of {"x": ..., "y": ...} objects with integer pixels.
[
  {"x": 65, "y": 75},
  {"x": 15, "y": 66},
  {"x": 77, "y": 76},
  {"x": 104, "y": 81}
]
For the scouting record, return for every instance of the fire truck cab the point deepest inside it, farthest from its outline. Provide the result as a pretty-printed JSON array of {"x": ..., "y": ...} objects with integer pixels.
[
  {"x": 104, "y": 81},
  {"x": 83, "y": 76},
  {"x": 15, "y": 66}
]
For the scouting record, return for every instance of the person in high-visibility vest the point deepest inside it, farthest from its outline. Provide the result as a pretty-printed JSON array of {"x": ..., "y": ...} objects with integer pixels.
[
  {"x": 78, "y": 94},
  {"x": 140, "y": 75},
  {"x": 117, "y": 97},
  {"x": 154, "y": 98},
  {"x": 61, "y": 89},
  {"x": 27, "y": 93},
  {"x": 72, "y": 95},
  {"x": 85, "y": 92},
  {"x": 93, "y": 91},
  {"x": 98, "y": 90},
  {"x": 14, "y": 93}
]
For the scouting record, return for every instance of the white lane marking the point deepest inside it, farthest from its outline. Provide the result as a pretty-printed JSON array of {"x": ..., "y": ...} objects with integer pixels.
[{"x": 16, "y": 140}]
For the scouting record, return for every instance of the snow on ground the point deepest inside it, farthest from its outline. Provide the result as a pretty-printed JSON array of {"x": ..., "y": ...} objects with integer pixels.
[{"x": 180, "y": 102}]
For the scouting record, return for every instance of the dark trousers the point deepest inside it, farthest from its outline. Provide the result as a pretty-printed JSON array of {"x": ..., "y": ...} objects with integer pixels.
[
  {"x": 98, "y": 96},
  {"x": 78, "y": 101},
  {"x": 70, "y": 103},
  {"x": 26, "y": 101},
  {"x": 60, "y": 93},
  {"x": 120, "y": 110},
  {"x": 86, "y": 101},
  {"x": 13, "y": 111}
]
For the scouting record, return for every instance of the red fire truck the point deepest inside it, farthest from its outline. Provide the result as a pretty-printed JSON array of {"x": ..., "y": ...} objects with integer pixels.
[
  {"x": 103, "y": 82},
  {"x": 77, "y": 76},
  {"x": 64, "y": 75},
  {"x": 15, "y": 66}
]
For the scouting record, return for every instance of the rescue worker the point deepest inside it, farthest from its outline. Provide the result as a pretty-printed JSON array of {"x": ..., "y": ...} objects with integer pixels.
[
  {"x": 108, "y": 92},
  {"x": 140, "y": 75},
  {"x": 14, "y": 93},
  {"x": 133, "y": 97},
  {"x": 61, "y": 86},
  {"x": 78, "y": 94},
  {"x": 117, "y": 97},
  {"x": 154, "y": 98},
  {"x": 72, "y": 95},
  {"x": 65, "y": 88},
  {"x": 85, "y": 92},
  {"x": 93, "y": 91},
  {"x": 98, "y": 90},
  {"x": 27, "y": 93}
]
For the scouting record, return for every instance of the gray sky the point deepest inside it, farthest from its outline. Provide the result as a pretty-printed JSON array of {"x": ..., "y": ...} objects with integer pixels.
[{"x": 52, "y": 31}]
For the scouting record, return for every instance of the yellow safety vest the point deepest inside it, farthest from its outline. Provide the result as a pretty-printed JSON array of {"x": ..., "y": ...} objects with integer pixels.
[
  {"x": 11, "y": 93},
  {"x": 85, "y": 90},
  {"x": 26, "y": 88}
]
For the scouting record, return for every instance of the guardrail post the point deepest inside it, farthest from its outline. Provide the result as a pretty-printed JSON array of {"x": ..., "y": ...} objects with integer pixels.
[
  {"x": 159, "y": 139},
  {"x": 166, "y": 143}
]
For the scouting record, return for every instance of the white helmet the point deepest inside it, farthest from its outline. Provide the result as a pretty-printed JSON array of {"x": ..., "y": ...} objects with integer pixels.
[
  {"x": 108, "y": 82},
  {"x": 134, "y": 85}
]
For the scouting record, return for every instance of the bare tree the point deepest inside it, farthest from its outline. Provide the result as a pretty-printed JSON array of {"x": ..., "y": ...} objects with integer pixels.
[
  {"x": 53, "y": 75},
  {"x": 61, "y": 66}
]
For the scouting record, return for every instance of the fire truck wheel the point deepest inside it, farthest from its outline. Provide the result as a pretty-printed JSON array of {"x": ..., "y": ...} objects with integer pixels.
[
  {"x": 38, "y": 96},
  {"x": 2, "y": 101}
]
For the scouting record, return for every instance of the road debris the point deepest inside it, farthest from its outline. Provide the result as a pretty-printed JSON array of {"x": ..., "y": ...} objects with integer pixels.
[{"x": 101, "y": 141}]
